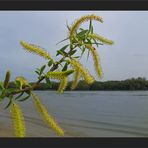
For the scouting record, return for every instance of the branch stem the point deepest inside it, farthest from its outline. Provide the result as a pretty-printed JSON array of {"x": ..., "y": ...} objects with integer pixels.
[{"x": 54, "y": 67}]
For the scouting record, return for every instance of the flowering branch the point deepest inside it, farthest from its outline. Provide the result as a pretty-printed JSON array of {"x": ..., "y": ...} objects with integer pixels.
[{"x": 80, "y": 39}]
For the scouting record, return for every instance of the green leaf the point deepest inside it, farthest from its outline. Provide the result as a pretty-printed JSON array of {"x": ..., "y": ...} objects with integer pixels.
[
  {"x": 62, "y": 41},
  {"x": 59, "y": 52},
  {"x": 25, "y": 98},
  {"x": 81, "y": 29},
  {"x": 62, "y": 50},
  {"x": 82, "y": 33},
  {"x": 83, "y": 50},
  {"x": 88, "y": 54},
  {"x": 95, "y": 42},
  {"x": 65, "y": 67},
  {"x": 67, "y": 26},
  {"x": 90, "y": 25},
  {"x": 19, "y": 95},
  {"x": 72, "y": 52},
  {"x": 9, "y": 103},
  {"x": 37, "y": 72},
  {"x": 1, "y": 86},
  {"x": 42, "y": 69},
  {"x": 92, "y": 30},
  {"x": 89, "y": 41},
  {"x": 48, "y": 82},
  {"x": 50, "y": 63},
  {"x": 37, "y": 69},
  {"x": 76, "y": 57}
]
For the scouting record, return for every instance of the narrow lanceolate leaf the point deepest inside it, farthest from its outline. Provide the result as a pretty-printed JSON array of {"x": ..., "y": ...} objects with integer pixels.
[
  {"x": 42, "y": 69},
  {"x": 7, "y": 79},
  {"x": 77, "y": 76},
  {"x": 96, "y": 60},
  {"x": 63, "y": 84},
  {"x": 50, "y": 63},
  {"x": 100, "y": 38},
  {"x": 59, "y": 74},
  {"x": 62, "y": 50},
  {"x": 86, "y": 75},
  {"x": 35, "y": 49},
  {"x": 10, "y": 101},
  {"x": 2, "y": 86},
  {"x": 65, "y": 67},
  {"x": 18, "y": 120},
  {"x": 78, "y": 22},
  {"x": 72, "y": 52},
  {"x": 46, "y": 116}
]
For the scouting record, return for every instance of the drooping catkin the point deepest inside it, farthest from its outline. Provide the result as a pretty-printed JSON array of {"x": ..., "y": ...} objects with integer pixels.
[
  {"x": 96, "y": 60},
  {"x": 18, "y": 120},
  {"x": 100, "y": 38},
  {"x": 86, "y": 75},
  {"x": 63, "y": 84},
  {"x": 47, "y": 118},
  {"x": 59, "y": 74},
  {"x": 36, "y": 50},
  {"x": 78, "y": 22},
  {"x": 77, "y": 76}
]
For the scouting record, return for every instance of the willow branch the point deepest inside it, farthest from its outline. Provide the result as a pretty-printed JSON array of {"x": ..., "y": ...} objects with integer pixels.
[{"x": 54, "y": 67}]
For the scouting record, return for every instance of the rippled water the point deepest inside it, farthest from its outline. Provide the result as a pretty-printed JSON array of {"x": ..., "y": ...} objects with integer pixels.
[{"x": 90, "y": 114}]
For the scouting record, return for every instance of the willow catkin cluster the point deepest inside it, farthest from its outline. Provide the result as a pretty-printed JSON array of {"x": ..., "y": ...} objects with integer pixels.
[
  {"x": 46, "y": 116},
  {"x": 86, "y": 75},
  {"x": 36, "y": 50},
  {"x": 59, "y": 74},
  {"x": 78, "y": 22},
  {"x": 62, "y": 76},
  {"x": 77, "y": 76},
  {"x": 18, "y": 120},
  {"x": 100, "y": 38},
  {"x": 96, "y": 60}
]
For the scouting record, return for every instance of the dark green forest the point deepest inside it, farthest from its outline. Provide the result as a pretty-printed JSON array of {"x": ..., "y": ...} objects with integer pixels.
[{"x": 128, "y": 84}]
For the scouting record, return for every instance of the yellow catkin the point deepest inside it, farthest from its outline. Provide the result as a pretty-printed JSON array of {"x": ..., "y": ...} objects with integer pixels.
[
  {"x": 100, "y": 38},
  {"x": 85, "y": 18},
  {"x": 35, "y": 49},
  {"x": 96, "y": 60},
  {"x": 59, "y": 74},
  {"x": 47, "y": 118},
  {"x": 77, "y": 76},
  {"x": 86, "y": 75},
  {"x": 63, "y": 84},
  {"x": 18, "y": 120}
]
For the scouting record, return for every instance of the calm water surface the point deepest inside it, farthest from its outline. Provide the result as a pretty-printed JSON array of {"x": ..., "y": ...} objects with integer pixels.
[{"x": 90, "y": 114}]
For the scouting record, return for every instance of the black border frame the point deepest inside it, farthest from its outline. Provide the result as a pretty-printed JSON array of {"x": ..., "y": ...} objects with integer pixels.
[
  {"x": 74, "y": 143},
  {"x": 27, "y": 5},
  {"x": 73, "y": 5}
]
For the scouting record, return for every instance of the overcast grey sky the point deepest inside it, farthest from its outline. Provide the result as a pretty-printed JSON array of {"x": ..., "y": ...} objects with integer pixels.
[{"x": 127, "y": 58}]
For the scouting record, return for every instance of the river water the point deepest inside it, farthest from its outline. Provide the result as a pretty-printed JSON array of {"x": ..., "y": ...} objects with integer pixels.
[{"x": 88, "y": 114}]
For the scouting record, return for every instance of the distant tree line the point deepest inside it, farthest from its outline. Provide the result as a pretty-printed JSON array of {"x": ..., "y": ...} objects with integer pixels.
[{"x": 128, "y": 84}]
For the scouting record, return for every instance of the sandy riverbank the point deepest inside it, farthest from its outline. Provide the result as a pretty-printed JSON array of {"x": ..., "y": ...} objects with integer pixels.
[{"x": 34, "y": 128}]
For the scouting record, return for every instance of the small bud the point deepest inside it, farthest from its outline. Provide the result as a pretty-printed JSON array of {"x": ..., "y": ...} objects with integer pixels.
[{"x": 7, "y": 79}]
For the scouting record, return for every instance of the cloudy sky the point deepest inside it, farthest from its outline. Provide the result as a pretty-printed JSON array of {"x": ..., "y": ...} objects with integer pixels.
[{"x": 127, "y": 58}]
